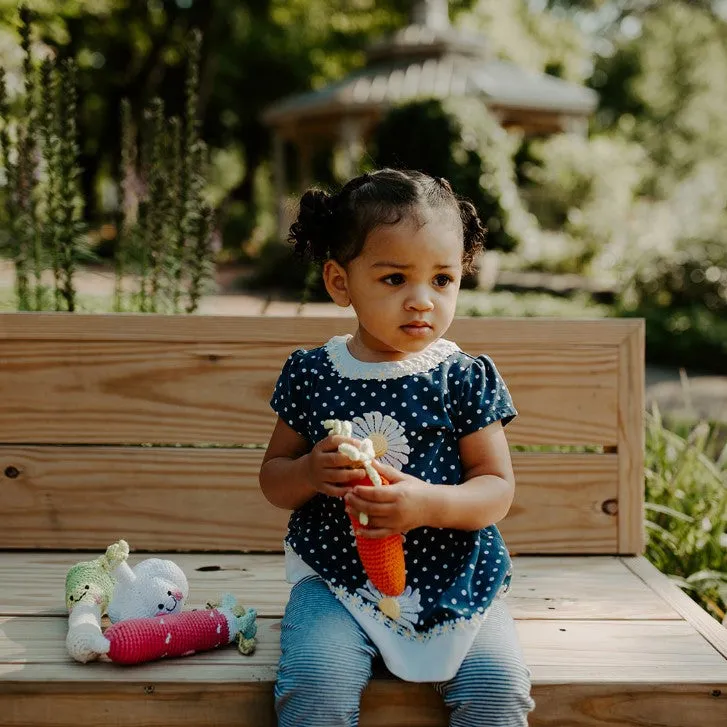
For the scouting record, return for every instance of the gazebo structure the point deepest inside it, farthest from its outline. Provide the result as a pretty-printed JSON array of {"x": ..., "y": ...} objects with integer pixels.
[{"x": 429, "y": 58}]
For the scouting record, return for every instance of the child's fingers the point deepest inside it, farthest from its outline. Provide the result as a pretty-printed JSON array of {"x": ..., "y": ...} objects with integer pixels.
[
  {"x": 376, "y": 494},
  {"x": 375, "y": 533},
  {"x": 336, "y": 459},
  {"x": 391, "y": 473},
  {"x": 331, "y": 442},
  {"x": 375, "y": 509},
  {"x": 340, "y": 475}
]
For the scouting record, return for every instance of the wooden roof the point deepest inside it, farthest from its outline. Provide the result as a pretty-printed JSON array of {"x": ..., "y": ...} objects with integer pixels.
[{"x": 434, "y": 59}]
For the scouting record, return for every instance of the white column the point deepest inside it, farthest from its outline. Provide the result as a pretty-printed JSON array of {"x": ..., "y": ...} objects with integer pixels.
[
  {"x": 432, "y": 14},
  {"x": 351, "y": 138}
]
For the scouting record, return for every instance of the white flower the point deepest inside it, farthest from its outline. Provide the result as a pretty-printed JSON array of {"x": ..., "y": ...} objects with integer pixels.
[
  {"x": 386, "y": 435},
  {"x": 409, "y": 603}
]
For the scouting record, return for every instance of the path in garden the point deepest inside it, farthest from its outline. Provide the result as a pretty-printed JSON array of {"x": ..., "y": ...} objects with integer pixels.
[{"x": 688, "y": 394}]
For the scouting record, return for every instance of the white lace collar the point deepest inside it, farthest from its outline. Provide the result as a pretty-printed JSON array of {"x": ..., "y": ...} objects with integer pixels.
[{"x": 351, "y": 368}]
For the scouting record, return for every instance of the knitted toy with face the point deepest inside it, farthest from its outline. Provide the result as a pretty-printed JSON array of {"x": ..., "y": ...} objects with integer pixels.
[
  {"x": 153, "y": 587},
  {"x": 89, "y": 587}
]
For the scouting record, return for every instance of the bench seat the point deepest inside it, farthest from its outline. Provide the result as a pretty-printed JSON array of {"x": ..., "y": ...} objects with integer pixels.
[{"x": 608, "y": 639}]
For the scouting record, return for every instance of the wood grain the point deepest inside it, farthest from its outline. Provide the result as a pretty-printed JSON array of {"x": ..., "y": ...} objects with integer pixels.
[
  {"x": 710, "y": 628},
  {"x": 576, "y": 652},
  {"x": 129, "y": 389},
  {"x": 209, "y": 499},
  {"x": 558, "y": 333},
  {"x": 632, "y": 536},
  {"x": 386, "y": 703},
  {"x": 570, "y": 587}
]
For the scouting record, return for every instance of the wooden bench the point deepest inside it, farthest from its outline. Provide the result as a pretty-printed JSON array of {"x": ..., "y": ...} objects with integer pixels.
[{"x": 103, "y": 418}]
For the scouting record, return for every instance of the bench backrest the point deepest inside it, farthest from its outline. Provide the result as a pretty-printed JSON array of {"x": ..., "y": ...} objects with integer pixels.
[{"x": 152, "y": 428}]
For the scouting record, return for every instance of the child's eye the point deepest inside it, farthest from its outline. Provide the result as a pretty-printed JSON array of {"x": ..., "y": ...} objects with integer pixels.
[
  {"x": 394, "y": 279},
  {"x": 442, "y": 280}
]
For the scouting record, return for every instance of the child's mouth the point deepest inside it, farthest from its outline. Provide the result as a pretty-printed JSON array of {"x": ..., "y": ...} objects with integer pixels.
[{"x": 418, "y": 330}]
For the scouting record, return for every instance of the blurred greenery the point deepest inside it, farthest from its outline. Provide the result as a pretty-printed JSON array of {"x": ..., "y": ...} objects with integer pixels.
[
  {"x": 686, "y": 507},
  {"x": 638, "y": 205}
]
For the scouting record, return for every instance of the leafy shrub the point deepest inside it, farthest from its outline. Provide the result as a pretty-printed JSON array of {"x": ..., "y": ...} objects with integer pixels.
[
  {"x": 686, "y": 510},
  {"x": 460, "y": 140}
]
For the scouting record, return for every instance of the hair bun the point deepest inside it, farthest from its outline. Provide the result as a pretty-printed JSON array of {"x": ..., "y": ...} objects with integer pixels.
[
  {"x": 311, "y": 232},
  {"x": 474, "y": 232}
]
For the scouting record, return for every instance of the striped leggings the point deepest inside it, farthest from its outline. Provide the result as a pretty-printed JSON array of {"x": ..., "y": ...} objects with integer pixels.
[{"x": 326, "y": 661}]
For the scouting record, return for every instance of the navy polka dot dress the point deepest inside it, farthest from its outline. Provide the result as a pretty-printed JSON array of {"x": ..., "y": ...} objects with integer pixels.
[{"x": 414, "y": 411}]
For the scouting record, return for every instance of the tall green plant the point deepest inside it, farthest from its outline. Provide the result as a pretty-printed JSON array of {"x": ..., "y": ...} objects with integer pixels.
[
  {"x": 686, "y": 509},
  {"x": 43, "y": 202},
  {"x": 165, "y": 238}
]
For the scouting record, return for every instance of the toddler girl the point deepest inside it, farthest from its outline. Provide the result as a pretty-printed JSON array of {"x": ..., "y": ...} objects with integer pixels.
[{"x": 394, "y": 245}]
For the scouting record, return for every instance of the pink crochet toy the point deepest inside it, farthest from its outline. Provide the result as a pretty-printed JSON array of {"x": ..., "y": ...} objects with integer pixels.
[{"x": 181, "y": 634}]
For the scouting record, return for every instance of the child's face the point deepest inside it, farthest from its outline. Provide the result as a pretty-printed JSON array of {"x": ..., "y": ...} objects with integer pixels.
[{"x": 404, "y": 284}]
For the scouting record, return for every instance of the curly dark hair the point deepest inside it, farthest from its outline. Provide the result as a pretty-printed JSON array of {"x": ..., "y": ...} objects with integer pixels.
[{"x": 335, "y": 226}]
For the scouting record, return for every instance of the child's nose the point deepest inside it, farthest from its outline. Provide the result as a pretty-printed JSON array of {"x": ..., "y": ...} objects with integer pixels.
[{"x": 420, "y": 300}]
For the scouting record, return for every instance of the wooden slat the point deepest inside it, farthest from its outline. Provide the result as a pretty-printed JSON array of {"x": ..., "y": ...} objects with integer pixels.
[
  {"x": 567, "y": 658},
  {"x": 577, "y": 652},
  {"x": 119, "y": 382},
  {"x": 631, "y": 442},
  {"x": 593, "y": 587},
  {"x": 386, "y": 703},
  {"x": 712, "y": 630},
  {"x": 209, "y": 499},
  {"x": 232, "y": 329}
]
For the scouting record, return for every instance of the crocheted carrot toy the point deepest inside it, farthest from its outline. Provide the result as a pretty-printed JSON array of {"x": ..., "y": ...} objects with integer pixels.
[{"x": 382, "y": 558}]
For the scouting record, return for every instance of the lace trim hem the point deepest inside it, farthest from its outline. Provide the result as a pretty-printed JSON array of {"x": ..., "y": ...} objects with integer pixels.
[
  {"x": 351, "y": 368},
  {"x": 440, "y": 629}
]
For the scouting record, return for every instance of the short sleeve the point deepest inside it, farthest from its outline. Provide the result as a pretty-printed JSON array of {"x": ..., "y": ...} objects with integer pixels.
[
  {"x": 289, "y": 399},
  {"x": 482, "y": 397}
]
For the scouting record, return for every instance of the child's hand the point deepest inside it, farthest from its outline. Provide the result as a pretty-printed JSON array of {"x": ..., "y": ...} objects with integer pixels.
[
  {"x": 328, "y": 469},
  {"x": 397, "y": 507}
]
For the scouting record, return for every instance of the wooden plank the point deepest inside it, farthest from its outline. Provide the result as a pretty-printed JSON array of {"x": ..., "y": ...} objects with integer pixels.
[
  {"x": 386, "y": 703},
  {"x": 558, "y": 333},
  {"x": 209, "y": 499},
  {"x": 631, "y": 443},
  {"x": 708, "y": 627},
  {"x": 134, "y": 392},
  {"x": 572, "y": 587},
  {"x": 557, "y": 651}
]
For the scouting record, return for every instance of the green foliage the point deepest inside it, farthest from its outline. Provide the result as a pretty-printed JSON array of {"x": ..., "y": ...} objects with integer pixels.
[
  {"x": 167, "y": 225},
  {"x": 518, "y": 31},
  {"x": 44, "y": 208},
  {"x": 686, "y": 510},
  {"x": 460, "y": 140},
  {"x": 582, "y": 190}
]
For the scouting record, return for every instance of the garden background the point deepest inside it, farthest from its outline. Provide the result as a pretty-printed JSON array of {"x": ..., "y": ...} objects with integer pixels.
[{"x": 136, "y": 174}]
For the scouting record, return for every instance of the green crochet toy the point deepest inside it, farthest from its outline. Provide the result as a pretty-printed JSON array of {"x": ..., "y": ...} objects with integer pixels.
[{"x": 89, "y": 588}]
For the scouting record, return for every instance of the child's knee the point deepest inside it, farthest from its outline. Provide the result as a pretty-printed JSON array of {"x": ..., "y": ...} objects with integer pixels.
[
  {"x": 315, "y": 689},
  {"x": 495, "y": 693}
]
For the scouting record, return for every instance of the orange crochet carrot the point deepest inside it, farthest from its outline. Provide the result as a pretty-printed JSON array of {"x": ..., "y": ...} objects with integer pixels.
[{"x": 382, "y": 558}]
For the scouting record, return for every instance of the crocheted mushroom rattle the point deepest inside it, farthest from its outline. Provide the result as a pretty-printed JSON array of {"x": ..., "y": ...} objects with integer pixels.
[{"x": 382, "y": 558}]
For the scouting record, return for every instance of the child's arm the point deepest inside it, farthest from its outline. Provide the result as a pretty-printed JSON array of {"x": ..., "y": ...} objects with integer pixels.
[
  {"x": 292, "y": 473},
  {"x": 482, "y": 499}
]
